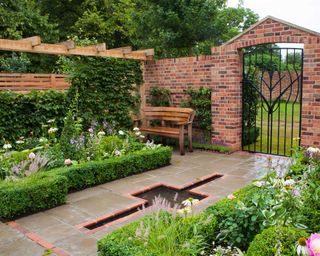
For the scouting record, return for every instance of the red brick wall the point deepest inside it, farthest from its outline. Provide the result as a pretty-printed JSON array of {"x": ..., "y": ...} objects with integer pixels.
[
  {"x": 222, "y": 71},
  {"x": 178, "y": 75}
]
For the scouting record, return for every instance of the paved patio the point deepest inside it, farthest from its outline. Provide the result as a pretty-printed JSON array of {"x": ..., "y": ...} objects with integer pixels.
[{"x": 59, "y": 229}]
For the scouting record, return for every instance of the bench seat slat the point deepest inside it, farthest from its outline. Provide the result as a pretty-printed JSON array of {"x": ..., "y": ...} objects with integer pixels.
[{"x": 168, "y": 109}]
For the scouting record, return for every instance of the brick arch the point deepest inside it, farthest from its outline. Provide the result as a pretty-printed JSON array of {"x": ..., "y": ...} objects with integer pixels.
[{"x": 227, "y": 109}]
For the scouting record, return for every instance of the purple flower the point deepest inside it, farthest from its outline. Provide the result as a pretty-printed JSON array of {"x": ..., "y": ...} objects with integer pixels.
[
  {"x": 296, "y": 192},
  {"x": 313, "y": 244}
]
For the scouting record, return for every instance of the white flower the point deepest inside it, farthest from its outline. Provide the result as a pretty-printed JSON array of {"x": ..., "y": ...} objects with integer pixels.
[
  {"x": 289, "y": 183},
  {"x": 43, "y": 140},
  {"x": 7, "y": 146},
  {"x": 231, "y": 197},
  {"x": 142, "y": 136},
  {"x": 185, "y": 210},
  {"x": 32, "y": 155},
  {"x": 189, "y": 202},
  {"x": 121, "y": 132},
  {"x": 51, "y": 121},
  {"x": 260, "y": 183},
  {"x": 138, "y": 133},
  {"x": 101, "y": 133},
  {"x": 136, "y": 129},
  {"x": 19, "y": 142},
  {"x": 313, "y": 151},
  {"x": 117, "y": 153},
  {"x": 52, "y": 130}
]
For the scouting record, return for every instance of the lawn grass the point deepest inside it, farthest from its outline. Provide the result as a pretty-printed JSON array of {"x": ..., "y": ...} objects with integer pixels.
[{"x": 283, "y": 129}]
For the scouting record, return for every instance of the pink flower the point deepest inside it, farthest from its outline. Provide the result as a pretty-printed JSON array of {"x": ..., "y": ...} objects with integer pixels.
[
  {"x": 313, "y": 244},
  {"x": 231, "y": 197},
  {"x": 68, "y": 162}
]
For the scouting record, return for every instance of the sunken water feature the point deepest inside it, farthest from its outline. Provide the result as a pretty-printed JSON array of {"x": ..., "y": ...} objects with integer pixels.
[{"x": 172, "y": 195}]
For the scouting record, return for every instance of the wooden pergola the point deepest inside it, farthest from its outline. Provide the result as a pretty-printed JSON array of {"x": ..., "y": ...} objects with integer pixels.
[{"x": 34, "y": 45}]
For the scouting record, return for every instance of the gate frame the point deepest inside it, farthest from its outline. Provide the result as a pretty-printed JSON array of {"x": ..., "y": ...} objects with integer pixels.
[
  {"x": 298, "y": 82},
  {"x": 227, "y": 118}
]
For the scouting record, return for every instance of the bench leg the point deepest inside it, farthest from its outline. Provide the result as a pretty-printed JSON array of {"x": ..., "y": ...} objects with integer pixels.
[
  {"x": 181, "y": 140},
  {"x": 190, "y": 138}
]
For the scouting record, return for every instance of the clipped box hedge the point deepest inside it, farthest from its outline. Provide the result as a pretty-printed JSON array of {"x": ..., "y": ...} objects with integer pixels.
[
  {"x": 32, "y": 194},
  {"x": 45, "y": 190},
  {"x": 98, "y": 172}
]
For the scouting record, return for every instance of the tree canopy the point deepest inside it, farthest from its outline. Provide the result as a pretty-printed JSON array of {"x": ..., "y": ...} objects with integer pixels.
[{"x": 173, "y": 28}]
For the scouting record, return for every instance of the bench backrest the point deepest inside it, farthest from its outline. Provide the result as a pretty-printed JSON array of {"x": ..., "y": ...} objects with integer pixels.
[{"x": 176, "y": 115}]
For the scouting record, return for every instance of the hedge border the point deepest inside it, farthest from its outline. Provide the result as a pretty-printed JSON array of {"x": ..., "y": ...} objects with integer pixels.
[{"x": 49, "y": 189}]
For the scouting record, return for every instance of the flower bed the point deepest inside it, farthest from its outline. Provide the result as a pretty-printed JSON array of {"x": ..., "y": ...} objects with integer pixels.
[
  {"x": 44, "y": 190},
  {"x": 284, "y": 207}
]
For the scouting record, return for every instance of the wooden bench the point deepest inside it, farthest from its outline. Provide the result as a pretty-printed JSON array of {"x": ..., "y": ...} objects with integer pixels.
[{"x": 174, "y": 123}]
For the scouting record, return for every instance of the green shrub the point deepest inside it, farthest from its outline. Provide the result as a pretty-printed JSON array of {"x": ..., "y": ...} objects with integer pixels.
[
  {"x": 97, "y": 172},
  {"x": 160, "y": 97},
  {"x": 22, "y": 114},
  {"x": 276, "y": 241},
  {"x": 235, "y": 226},
  {"x": 33, "y": 194},
  {"x": 160, "y": 234},
  {"x": 200, "y": 101}
]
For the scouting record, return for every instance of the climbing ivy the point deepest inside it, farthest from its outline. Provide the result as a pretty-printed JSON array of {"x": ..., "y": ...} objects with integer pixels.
[
  {"x": 108, "y": 89},
  {"x": 160, "y": 97},
  {"x": 200, "y": 101}
]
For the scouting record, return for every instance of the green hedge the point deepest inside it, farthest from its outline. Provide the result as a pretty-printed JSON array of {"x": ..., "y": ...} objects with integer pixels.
[
  {"x": 93, "y": 173},
  {"x": 276, "y": 239},
  {"x": 38, "y": 107},
  {"x": 32, "y": 194},
  {"x": 48, "y": 189}
]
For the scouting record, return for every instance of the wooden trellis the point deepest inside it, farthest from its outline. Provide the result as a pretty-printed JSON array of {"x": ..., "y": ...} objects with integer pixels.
[{"x": 34, "y": 45}]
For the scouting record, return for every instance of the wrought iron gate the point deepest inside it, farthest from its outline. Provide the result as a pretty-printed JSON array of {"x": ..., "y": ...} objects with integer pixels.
[{"x": 272, "y": 99}]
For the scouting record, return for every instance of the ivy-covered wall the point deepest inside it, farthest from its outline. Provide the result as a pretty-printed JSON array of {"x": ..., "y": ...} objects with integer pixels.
[{"x": 107, "y": 92}]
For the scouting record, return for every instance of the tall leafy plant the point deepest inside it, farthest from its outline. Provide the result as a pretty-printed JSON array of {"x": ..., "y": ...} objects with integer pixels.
[
  {"x": 108, "y": 89},
  {"x": 200, "y": 101}
]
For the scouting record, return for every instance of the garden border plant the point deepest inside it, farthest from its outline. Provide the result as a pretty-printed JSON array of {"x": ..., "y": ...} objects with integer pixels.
[{"x": 45, "y": 190}]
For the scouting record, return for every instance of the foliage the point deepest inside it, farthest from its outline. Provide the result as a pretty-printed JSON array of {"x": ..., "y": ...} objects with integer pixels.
[
  {"x": 182, "y": 28},
  {"x": 32, "y": 194},
  {"x": 17, "y": 63},
  {"x": 160, "y": 97},
  {"x": 106, "y": 21},
  {"x": 37, "y": 106},
  {"x": 107, "y": 89},
  {"x": 276, "y": 240},
  {"x": 200, "y": 101},
  {"x": 71, "y": 130},
  {"x": 22, "y": 18},
  {"x": 160, "y": 234},
  {"x": 211, "y": 147}
]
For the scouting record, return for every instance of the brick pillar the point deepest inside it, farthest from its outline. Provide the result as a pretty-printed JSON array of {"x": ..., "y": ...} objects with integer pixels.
[{"x": 226, "y": 97}]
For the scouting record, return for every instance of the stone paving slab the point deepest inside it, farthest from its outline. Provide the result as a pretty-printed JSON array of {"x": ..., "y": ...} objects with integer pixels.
[{"x": 59, "y": 227}]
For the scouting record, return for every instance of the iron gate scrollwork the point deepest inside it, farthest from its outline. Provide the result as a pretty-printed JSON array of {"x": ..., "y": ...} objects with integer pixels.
[{"x": 272, "y": 99}]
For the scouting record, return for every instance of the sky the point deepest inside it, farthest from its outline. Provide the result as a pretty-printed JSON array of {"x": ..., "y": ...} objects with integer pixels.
[{"x": 305, "y": 13}]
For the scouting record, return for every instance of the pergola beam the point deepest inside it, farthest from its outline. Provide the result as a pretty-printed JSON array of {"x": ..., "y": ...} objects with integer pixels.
[{"x": 34, "y": 45}]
